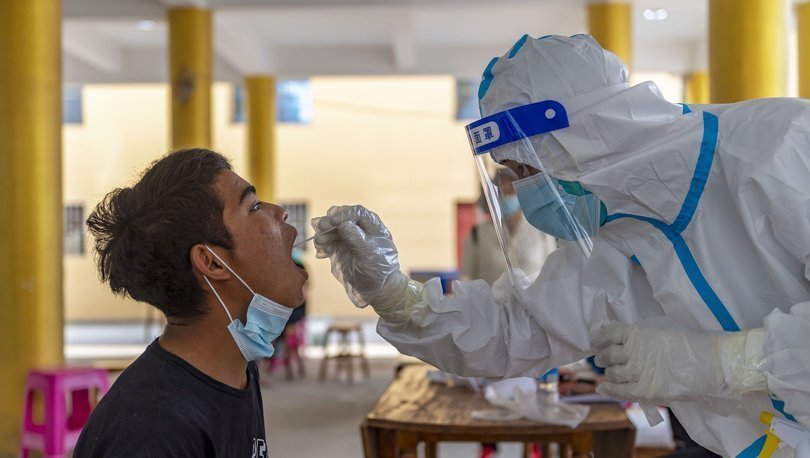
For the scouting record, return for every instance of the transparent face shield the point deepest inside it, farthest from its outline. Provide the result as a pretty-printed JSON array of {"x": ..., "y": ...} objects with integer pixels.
[{"x": 522, "y": 196}]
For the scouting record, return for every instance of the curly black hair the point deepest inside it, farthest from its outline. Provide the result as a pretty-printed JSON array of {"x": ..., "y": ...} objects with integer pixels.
[{"x": 143, "y": 234}]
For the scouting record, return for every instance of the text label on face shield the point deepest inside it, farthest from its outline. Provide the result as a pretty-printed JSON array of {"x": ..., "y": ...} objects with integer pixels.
[
  {"x": 515, "y": 124},
  {"x": 485, "y": 134}
]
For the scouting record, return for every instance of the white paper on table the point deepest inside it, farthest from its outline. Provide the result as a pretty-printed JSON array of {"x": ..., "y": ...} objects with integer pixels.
[
  {"x": 531, "y": 406},
  {"x": 659, "y": 435}
]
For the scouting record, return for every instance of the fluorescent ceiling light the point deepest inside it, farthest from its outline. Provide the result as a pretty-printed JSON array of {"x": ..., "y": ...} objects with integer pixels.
[
  {"x": 145, "y": 26},
  {"x": 655, "y": 14}
]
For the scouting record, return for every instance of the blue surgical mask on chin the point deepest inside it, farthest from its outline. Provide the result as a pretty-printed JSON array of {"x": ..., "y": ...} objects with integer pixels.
[
  {"x": 567, "y": 217},
  {"x": 509, "y": 204},
  {"x": 265, "y": 321}
]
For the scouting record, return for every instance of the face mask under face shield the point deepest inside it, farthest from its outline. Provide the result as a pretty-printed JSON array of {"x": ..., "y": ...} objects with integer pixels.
[{"x": 510, "y": 167}]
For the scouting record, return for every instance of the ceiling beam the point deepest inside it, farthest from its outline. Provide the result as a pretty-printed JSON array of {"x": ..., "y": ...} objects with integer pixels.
[
  {"x": 245, "y": 54},
  {"x": 467, "y": 60},
  {"x": 403, "y": 44},
  {"x": 184, "y": 3},
  {"x": 91, "y": 48},
  {"x": 107, "y": 9}
]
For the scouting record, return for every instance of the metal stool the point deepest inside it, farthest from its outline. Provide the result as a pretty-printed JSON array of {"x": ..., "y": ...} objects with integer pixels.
[{"x": 344, "y": 355}]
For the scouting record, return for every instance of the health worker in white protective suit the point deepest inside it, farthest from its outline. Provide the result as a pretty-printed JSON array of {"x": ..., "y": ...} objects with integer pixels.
[{"x": 684, "y": 257}]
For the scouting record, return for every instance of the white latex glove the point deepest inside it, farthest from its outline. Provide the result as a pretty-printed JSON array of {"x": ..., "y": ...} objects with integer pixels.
[
  {"x": 364, "y": 257},
  {"x": 644, "y": 363}
]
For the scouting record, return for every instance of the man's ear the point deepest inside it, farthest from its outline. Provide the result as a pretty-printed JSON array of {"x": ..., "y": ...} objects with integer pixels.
[{"x": 203, "y": 262}]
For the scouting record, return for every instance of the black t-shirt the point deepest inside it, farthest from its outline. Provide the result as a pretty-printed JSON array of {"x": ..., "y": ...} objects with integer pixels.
[{"x": 161, "y": 406}]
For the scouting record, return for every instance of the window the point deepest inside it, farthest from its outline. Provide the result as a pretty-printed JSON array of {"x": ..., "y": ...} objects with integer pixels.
[
  {"x": 297, "y": 217},
  {"x": 467, "y": 99},
  {"x": 74, "y": 229},
  {"x": 72, "y": 104},
  {"x": 238, "y": 114},
  {"x": 293, "y": 102}
]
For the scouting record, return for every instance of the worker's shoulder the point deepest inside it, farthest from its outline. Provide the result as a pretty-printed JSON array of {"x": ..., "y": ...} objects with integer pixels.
[
  {"x": 756, "y": 131},
  {"x": 781, "y": 110}
]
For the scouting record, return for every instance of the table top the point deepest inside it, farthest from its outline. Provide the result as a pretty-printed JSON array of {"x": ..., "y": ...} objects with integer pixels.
[{"x": 412, "y": 402}]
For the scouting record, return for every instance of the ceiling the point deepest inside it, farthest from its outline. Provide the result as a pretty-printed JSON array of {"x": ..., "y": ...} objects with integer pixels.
[{"x": 107, "y": 40}]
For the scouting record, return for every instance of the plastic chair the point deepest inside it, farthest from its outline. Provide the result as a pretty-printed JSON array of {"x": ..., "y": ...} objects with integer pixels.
[
  {"x": 61, "y": 425},
  {"x": 290, "y": 348}
]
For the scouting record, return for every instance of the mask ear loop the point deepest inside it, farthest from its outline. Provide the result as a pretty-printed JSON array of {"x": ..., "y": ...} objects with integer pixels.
[
  {"x": 219, "y": 299},
  {"x": 230, "y": 270}
]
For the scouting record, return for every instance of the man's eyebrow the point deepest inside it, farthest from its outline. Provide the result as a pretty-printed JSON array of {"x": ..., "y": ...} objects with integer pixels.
[{"x": 246, "y": 192}]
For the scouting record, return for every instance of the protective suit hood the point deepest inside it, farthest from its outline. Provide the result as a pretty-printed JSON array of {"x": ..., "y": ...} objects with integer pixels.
[
  {"x": 609, "y": 122},
  {"x": 575, "y": 71},
  {"x": 551, "y": 67}
]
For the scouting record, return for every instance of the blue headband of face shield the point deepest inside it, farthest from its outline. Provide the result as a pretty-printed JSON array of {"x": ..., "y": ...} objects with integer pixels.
[{"x": 516, "y": 124}]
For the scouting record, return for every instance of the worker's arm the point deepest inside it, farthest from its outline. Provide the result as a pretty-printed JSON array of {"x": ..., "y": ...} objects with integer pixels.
[{"x": 479, "y": 330}]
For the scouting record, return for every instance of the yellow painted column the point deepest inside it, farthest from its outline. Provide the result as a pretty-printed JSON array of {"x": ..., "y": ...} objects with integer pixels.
[
  {"x": 31, "y": 320},
  {"x": 190, "y": 73},
  {"x": 612, "y": 26},
  {"x": 696, "y": 87},
  {"x": 803, "y": 26},
  {"x": 746, "y": 49},
  {"x": 261, "y": 134}
]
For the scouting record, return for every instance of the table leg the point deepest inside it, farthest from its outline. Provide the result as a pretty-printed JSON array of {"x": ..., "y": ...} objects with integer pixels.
[
  {"x": 379, "y": 442},
  {"x": 369, "y": 438},
  {"x": 527, "y": 450},
  {"x": 582, "y": 443},
  {"x": 407, "y": 445},
  {"x": 431, "y": 451},
  {"x": 610, "y": 444}
]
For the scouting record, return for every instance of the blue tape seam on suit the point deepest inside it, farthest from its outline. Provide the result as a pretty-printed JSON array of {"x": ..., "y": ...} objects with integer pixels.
[{"x": 673, "y": 231}]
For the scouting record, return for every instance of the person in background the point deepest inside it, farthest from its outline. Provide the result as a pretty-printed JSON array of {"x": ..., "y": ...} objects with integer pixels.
[
  {"x": 482, "y": 256},
  {"x": 192, "y": 239}
]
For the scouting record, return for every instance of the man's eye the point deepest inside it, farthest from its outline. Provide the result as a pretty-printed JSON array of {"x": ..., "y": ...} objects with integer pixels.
[{"x": 256, "y": 206}]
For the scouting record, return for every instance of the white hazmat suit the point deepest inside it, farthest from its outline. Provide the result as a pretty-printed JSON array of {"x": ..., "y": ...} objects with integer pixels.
[{"x": 705, "y": 253}]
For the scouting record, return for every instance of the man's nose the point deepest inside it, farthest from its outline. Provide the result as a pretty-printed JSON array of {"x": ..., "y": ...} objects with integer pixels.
[{"x": 279, "y": 212}]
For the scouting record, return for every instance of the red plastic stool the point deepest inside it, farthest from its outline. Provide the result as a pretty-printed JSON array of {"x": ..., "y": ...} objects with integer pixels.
[{"x": 60, "y": 429}]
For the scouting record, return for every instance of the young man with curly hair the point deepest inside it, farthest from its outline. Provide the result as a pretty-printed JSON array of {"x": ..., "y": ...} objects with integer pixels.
[{"x": 192, "y": 239}]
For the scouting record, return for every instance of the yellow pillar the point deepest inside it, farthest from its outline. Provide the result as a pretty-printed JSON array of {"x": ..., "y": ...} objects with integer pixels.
[
  {"x": 190, "y": 73},
  {"x": 696, "y": 87},
  {"x": 261, "y": 133},
  {"x": 30, "y": 201},
  {"x": 612, "y": 26},
  {"x": 803, "y": 26},
  {"x": 746, "y": 49}
]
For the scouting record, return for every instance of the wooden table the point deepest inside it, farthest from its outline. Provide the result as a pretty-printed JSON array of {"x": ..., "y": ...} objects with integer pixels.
[{"x": 413, "y": 410}]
